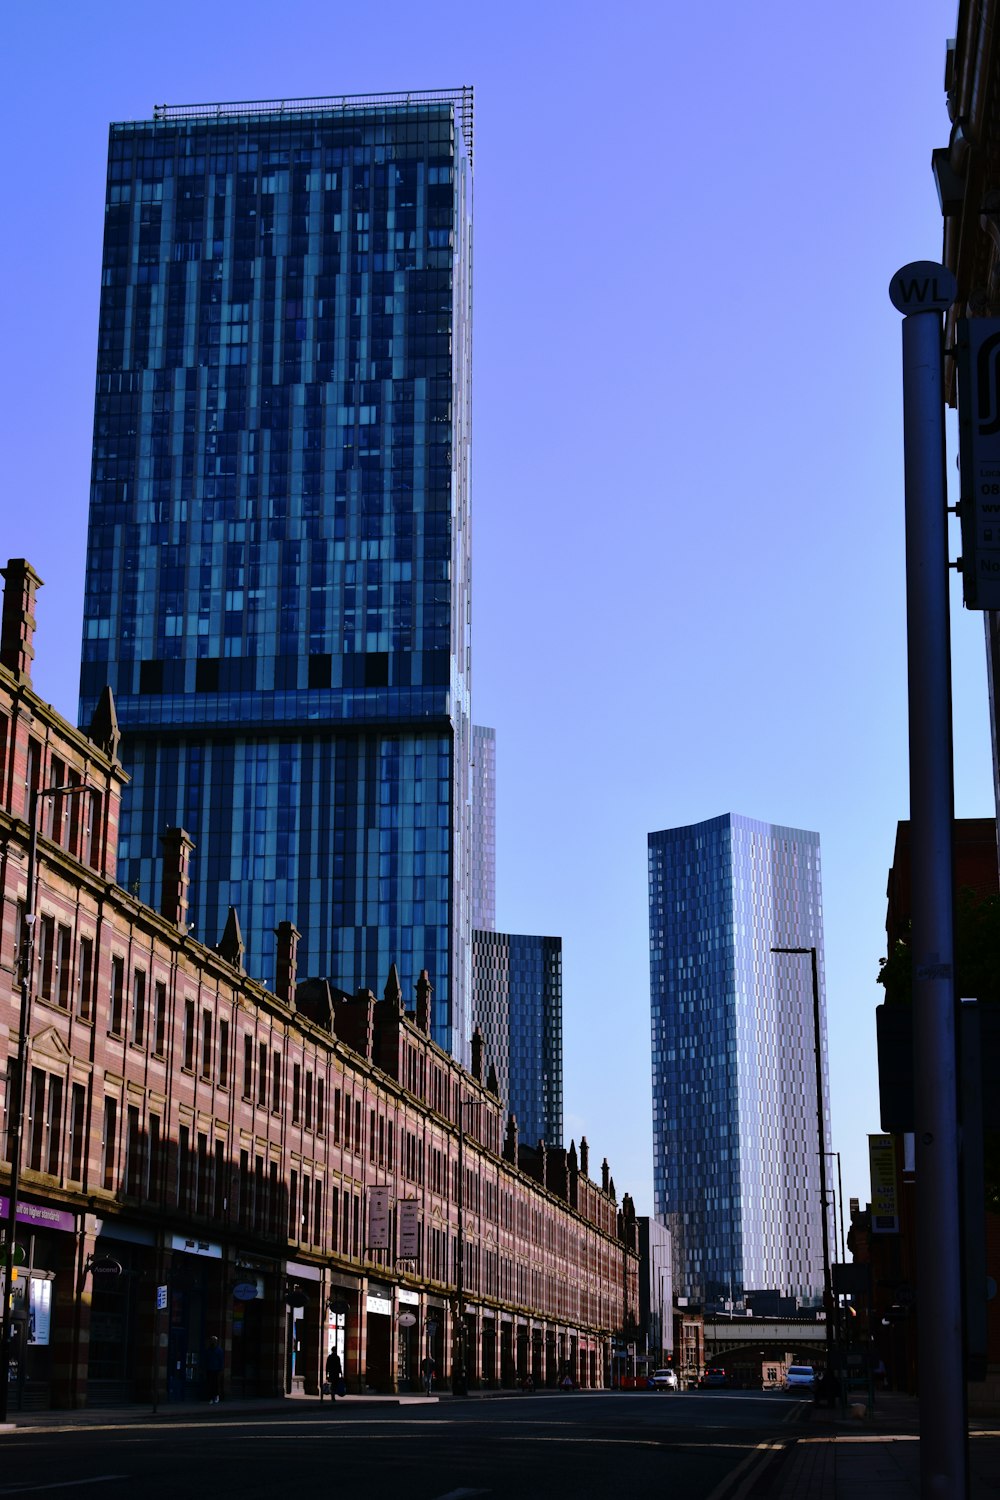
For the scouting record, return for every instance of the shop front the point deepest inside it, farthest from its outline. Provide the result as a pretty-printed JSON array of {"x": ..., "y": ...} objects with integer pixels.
[
  {"x": 41, "y": 1304},
  {"x": 196, "y": 1310},
  {"x": 407, "y": 1340},
  {"x": 378, "y": 1342}
]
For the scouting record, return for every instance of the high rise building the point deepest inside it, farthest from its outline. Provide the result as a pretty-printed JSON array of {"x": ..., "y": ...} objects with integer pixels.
[
  {"x": 484, "y": 828},
  {"x": 278, "y": 562},
  {"x": 517, "y": 1005},
  {"x": 735, "y": 1135}
]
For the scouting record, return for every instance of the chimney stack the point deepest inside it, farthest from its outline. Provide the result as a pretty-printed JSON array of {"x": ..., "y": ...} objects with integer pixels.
[
  {"x": 17, "y": 623},
  {"x": 177, "y": 846},
  {"x": 286, "y": 962}
]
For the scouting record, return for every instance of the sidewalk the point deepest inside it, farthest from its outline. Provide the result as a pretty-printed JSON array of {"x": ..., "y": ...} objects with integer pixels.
[{"x": 844, "y": 1458}]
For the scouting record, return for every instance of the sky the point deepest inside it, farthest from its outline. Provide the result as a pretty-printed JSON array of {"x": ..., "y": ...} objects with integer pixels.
[{"x": 687, "y": 434}]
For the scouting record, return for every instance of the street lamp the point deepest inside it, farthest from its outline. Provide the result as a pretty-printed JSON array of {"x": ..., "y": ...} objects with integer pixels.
[
  {"x": 15, "y": 1116},
  {"x": 459, "y": 1369},
  {"x": 820, "y": 1124}
]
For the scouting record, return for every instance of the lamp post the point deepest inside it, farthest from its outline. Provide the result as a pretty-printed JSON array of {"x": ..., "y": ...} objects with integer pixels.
[
  {"x": 15, "y": 1115},
  {"x": 821, "y": 1127},
  {"x": 459, "y": 1369}
]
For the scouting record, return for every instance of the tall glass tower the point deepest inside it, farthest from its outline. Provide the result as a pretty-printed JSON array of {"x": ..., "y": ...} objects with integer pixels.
[
  {"x": 735, "y": 1133},
  {"x": 517, "y": 1005},
  {"x": 278, "y": 562}
]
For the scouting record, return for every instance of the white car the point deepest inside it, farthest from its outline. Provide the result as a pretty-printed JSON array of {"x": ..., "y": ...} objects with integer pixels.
[
  {"x": 664, "y": 1380},
  {"x": 800, "y": 1377}
]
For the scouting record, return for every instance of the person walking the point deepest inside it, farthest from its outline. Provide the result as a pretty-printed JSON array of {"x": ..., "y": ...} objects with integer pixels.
[
  {"x": 215, "y": 1361},
  {"x": 427, "y": 1373},
  {"x": 334, "y": 1375}
]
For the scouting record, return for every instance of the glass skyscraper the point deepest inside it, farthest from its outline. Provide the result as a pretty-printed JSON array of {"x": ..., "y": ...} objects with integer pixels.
[
  {"x": 484, "y": 828},
  {"x": 735, "y": 1135},
  {"x": 517, "y": 1005},
  {"x": 278, "y": 564}
]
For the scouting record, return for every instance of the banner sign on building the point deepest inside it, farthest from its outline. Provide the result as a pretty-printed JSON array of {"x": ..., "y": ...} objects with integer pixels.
[
  {"x": 378, "y": 1218},
  {"x": 409, "y": 1230},
  {"x": 885, "y": 1198},
  {"x": 979, "y": 451}
]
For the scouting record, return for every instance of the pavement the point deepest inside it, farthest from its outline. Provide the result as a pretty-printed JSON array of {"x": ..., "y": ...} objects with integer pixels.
[{"x": 842, "y": 1457}]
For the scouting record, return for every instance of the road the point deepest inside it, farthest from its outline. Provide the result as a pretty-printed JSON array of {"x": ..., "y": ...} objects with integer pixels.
[{"x": 516, "y": 1448}]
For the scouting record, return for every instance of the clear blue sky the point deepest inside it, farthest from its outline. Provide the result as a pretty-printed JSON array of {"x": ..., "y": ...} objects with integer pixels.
[{"x": 688, "y": 584}]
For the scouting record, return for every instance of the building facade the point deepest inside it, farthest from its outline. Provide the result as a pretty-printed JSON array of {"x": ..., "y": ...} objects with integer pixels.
[
  {"x": 517, "y": 1005},
  {"x": 278, "y": 564},
  {"x": 735, "y": 1144},
  {"x": 285, "y": 1162},
  {"x": 484, "y": 829}
]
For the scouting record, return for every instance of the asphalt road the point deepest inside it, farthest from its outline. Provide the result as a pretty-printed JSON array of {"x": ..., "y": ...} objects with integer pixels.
[{"x": 577, "y": 1445}]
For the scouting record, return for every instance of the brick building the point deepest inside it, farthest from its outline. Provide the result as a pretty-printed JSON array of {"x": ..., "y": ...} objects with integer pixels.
[{"x": 285, "y": 1163}]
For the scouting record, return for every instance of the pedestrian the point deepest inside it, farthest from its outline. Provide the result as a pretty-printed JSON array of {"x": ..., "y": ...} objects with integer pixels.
[
  {"x": 427, "y": 1373},
  {"x": 334, "y": 1375},
  {"x": 215, "y": 1361}
]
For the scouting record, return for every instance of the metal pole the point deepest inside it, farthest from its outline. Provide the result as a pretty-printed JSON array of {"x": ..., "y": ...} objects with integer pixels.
[
  {"x": 458, "y": 1374},
  {"x": 840, "y": 1200},
  {"x": 823, "y": 1196},
  {"x": 943, "y": 1458}
]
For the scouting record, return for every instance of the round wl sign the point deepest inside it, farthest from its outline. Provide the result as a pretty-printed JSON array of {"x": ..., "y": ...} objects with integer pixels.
[
  {"x": 245, "y": 1291},
  {"x": 406, "y": 1320}
]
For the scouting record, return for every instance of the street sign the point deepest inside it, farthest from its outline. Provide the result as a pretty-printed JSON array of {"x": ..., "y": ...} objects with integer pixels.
[
  {"x": 245, "y": 1291},
  {"x": 406, "y": 1320},
  {"x": 979, "y": 451},
  {"x": 161, "y": 1298},
  {"x": 923, "y": 286}
]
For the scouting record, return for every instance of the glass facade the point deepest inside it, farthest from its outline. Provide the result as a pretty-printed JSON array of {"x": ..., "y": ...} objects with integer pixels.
[
  {"x": 517, "y": 1005},
  {"x": 484, "y": 829},
  {"x": 735, "y": 1149},
  {"x": 278, "y": 564}
]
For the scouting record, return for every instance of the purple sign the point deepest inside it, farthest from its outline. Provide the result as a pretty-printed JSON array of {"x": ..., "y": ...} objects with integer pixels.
[{"x": 40, "y": 1216}]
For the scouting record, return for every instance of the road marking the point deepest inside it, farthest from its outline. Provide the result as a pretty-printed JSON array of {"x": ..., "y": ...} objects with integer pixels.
[
  {"x": 65, "y": 1484},
  {"x": 460, "y": 1494},
  {"x": 746, "y": 1474}
]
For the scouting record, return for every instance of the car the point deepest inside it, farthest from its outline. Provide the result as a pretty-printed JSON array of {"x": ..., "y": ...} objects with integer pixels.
[
  {"x": 664, "y": 1380},
  {"x": 714, "y": 1378},
  {"x": 800, "y": 1377}
]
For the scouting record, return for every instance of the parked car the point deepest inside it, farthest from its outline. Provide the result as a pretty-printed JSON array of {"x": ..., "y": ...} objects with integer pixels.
[
  {"x": 714, "y": 1378},
  {"x": 664, "y": 1380},
  {"x": 800, "y": 1377}
]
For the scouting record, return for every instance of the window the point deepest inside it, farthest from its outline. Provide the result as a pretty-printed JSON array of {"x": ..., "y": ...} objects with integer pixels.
[
  {"x": 109, "y": 1143},
  {"x": 85, "y": 978},
  {"x": 306, "y": 1221},
  {"x": 133, "y": 1153},
  {"x": 189, "y": 1035},
  {"x": 248, "y": 1067},
  {"x": 138, "y": 1008},
  {"x": 317, "y": 1213},
  {"x": 276, "y": 1082},
  {"x": 183, "y": 1165},
  {"x": 78, "y": 1132},
  {"x": 155, "y": 1159},
  {"x": 296, "y": 1090},
  {"x": 36, "y": 1119},
  {"x": 347, "y": 1122},
  {"x": 371, "y": 1134},
  {"x": 224, "y": 1054},
  {"x": 320, "y": 1107},
  {"x": 46, "y": 929},
  {"x": 117, "y": 994},
  {"x": 159, "y": 1018},
  {"x": 293, "y": 1201},
  {"x": 202, "y": 1183},
  {"x": 262, "y": 1074},
  {"x": 206, "y": 1044},
  {"x": 219, "y": 1182},
  {"x": 309, "y": 1101},
  {"x": 63, "y": 980}
]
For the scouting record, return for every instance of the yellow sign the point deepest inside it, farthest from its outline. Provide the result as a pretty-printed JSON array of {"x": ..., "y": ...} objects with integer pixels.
[{"x": 885, "y": 1193}]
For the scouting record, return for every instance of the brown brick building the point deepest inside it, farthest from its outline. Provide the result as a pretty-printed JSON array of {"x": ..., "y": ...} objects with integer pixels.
[{"x": 248, "y": 1150}]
